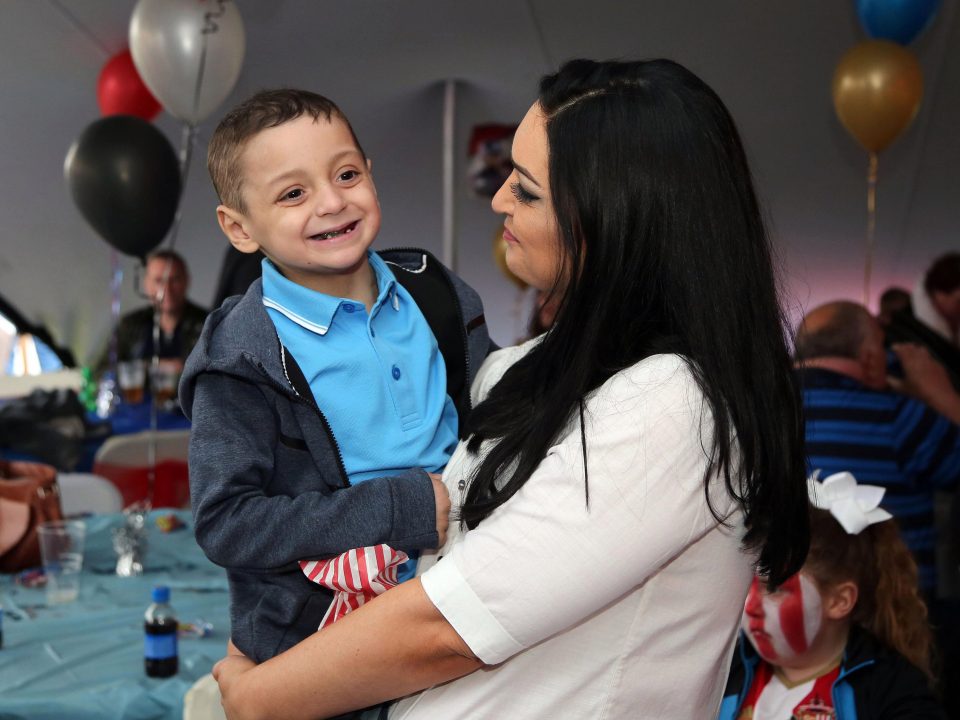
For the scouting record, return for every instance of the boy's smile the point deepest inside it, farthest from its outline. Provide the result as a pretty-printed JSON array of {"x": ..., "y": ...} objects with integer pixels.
[{"x": 311, "y": 205}]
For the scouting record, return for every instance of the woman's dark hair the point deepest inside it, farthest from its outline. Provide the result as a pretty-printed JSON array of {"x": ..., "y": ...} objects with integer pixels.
[{"x": 666, "y": 252}]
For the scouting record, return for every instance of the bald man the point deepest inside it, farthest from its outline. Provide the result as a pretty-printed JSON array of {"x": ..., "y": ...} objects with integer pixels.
[{"x": 905, "y": 439}]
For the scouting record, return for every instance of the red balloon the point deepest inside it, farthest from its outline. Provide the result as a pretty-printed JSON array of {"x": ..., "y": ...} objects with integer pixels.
[{"x": 120, "y": 91}]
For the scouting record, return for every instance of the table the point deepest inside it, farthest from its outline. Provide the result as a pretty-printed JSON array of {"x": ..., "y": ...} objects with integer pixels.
[
  {"x": 127, "y": 418},
  {"x": 85, "y": 659}
]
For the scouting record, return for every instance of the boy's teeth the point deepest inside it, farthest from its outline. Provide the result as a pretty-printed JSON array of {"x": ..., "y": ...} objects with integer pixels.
[{"x": 334, "y": 233}]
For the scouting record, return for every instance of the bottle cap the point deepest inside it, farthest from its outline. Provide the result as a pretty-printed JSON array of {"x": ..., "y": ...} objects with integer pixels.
[{"x": 161, "y": 594}]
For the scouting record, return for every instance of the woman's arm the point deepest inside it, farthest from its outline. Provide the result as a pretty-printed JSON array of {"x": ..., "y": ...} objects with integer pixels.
[{"x": 395, "y": 645}]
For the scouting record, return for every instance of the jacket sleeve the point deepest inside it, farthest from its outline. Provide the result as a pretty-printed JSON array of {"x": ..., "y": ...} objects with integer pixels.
[{"x": 241, "y": 525}]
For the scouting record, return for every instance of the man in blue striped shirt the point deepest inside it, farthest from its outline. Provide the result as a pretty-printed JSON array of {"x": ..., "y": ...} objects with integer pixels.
[{"x": 906, "y": 440}]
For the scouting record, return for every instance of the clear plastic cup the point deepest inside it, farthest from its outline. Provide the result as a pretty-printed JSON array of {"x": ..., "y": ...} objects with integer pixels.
[
  {"x": 132, "y": 377},
  {"x": 61, "y": 549}
]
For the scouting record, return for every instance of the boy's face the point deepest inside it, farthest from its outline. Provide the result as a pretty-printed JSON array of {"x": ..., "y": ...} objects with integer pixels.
[{"x": 311, "y": 203}]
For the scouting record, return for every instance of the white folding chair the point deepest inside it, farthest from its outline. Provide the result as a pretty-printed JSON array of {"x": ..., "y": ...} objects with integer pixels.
[
  {"x": 85, "y": 493},
  {"x": 125, "y": 461}
]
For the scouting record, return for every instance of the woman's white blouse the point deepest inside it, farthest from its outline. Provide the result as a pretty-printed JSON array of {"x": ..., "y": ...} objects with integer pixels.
[{"x": 624, "y": 608}]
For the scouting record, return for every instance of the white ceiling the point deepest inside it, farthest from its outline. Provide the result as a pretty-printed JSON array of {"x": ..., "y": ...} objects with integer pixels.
[{"x": 384, "y": 62}]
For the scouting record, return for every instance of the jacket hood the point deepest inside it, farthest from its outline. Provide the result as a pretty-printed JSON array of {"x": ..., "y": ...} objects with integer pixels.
[{"x": 238, "y": 339}]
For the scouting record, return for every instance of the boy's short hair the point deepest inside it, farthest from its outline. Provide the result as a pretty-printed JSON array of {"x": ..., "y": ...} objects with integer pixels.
[{"x": 266, "y": 109}]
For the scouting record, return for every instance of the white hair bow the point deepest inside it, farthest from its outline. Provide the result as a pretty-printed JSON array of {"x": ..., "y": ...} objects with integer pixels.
[{"x": 853, "y": 506}]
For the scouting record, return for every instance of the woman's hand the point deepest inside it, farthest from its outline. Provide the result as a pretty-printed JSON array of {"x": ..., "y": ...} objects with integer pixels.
[{"x": 227, "y": 672}]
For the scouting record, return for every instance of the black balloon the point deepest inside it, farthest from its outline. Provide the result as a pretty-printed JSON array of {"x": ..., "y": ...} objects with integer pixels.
[{"x": 125, "y": 179}]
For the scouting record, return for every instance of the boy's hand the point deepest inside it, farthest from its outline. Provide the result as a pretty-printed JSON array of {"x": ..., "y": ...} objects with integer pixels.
[{"x": 442, "y": 499}]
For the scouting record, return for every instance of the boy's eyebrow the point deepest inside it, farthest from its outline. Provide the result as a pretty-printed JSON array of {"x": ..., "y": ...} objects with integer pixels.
[
  {"x": 296, "y": 171},
  {"x": 523, "y": 171}
]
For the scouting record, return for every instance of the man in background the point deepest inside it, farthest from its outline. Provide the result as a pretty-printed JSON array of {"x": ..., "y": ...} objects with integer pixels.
[
  {"x": 935, "y": 318},
  {"x": 900, "y": 434},
  {"x": 165, "y": 283}
]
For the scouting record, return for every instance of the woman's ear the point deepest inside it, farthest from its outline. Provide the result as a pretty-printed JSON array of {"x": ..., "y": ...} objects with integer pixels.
[
  {"x": 233, "y": 225},
  {"x": 840, "y": 600}
]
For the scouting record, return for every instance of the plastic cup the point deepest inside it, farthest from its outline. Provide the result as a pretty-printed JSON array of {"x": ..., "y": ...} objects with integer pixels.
[
  {"x": 61, "y": 548},
  {"x": 132, "y": 376},
  {"x": 163, "y": 384}
]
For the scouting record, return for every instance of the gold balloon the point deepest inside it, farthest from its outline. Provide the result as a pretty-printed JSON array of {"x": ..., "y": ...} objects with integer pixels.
[
  {"x": 877, "y": 88},
  {"x": 500, "y": 257}
]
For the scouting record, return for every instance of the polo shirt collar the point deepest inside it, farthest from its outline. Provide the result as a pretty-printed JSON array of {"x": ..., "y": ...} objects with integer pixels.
[{"x": 314, "y": 310}]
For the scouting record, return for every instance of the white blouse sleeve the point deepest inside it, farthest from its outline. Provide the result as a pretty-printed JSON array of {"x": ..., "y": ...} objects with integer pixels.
[{"x": 545, "y": 560}]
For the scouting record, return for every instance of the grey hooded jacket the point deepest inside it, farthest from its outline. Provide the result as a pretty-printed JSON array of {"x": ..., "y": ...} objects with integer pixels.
[{"x": 267, "y": 482}]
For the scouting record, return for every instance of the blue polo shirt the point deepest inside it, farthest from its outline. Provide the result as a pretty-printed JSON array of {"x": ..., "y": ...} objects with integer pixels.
[{"x": 379, "y": 378}]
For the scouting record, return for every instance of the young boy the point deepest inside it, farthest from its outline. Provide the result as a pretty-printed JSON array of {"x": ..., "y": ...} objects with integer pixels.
[{"x": 322, "y": 398}]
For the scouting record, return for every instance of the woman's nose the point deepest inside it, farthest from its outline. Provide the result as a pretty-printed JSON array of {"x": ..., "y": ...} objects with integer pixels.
[{"x": 501, "y": 202}]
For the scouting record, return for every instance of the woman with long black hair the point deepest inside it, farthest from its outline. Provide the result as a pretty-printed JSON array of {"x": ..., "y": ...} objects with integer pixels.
[{"x": 626, "y": 472}]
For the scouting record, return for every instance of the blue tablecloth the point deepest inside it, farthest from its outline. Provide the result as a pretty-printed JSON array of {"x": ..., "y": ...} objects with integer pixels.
[
  {"x": 134, "y": 418},
  {"x": 85, "y": 659}
]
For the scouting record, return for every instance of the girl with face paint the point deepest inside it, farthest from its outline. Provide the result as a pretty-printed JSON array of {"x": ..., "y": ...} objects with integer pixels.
[{"x": 846, "y": 638}]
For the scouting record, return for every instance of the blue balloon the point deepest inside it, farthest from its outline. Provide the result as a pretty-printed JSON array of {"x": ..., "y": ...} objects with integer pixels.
[{"x": 897, "y": 20}]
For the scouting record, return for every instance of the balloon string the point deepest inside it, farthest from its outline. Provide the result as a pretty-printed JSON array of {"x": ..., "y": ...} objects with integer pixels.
[
  {"x": 187, "y": 139},
  {"x": 116, "y": 283},
  {"x": 209, "y": 27},
  {"x": 871, "y": 225}
]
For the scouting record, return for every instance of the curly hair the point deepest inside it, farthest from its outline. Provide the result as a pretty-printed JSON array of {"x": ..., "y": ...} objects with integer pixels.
[{"x": 889, "y": 603}]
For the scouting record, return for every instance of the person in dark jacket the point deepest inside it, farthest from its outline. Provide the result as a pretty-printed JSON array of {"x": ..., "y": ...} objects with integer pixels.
[
  {"x": 847, "y": 637},
  {"x": 166, "y": 280},
  {"x": 325, "y": 399}
]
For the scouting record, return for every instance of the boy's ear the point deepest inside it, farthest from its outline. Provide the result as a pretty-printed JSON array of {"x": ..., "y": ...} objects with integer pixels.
[
  {"x": 233, "y": 225},
  {"x": 369, "y": 164},
  {"x": 841, "y": 600}
]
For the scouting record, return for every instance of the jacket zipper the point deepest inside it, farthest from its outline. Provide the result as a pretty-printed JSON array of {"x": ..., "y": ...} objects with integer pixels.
[
  {"x": 345, "y": 480},
  {"x": 456, "y": 302}
]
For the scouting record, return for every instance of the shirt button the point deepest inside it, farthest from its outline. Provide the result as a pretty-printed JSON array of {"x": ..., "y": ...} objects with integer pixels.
[
  {"x": 461, "y": 485},
  {"x": 395, "y": 371},
  {"x": 347, "y": 307}
]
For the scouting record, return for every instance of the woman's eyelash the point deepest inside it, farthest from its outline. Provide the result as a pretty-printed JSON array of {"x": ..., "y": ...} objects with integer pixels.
[{"x": 522, "y": 195}]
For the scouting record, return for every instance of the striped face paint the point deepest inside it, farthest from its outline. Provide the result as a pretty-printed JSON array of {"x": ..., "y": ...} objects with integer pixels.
[{"x": 783, "y": 625}]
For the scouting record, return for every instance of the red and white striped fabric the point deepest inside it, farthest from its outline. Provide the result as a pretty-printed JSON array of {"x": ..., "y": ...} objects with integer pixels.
[{"x": 356, "y": 576}]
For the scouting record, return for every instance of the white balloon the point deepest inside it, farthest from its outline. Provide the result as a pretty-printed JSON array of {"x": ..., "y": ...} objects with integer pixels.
[{"x": 167, "y": 39}]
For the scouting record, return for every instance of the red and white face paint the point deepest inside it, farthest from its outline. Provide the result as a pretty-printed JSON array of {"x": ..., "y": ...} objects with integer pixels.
[{"x": 783, "y": 625}]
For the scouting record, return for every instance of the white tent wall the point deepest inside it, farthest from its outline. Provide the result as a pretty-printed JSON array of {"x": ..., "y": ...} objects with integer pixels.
[{"x": 385, "y": 62}]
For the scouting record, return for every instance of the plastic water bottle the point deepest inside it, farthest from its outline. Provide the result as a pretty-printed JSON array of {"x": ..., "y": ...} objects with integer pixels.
[{"x": 160, "y": 638}]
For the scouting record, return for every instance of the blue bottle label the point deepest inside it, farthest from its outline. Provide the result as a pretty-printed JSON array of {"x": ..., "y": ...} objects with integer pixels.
[{"x": 160, "y": 647}]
